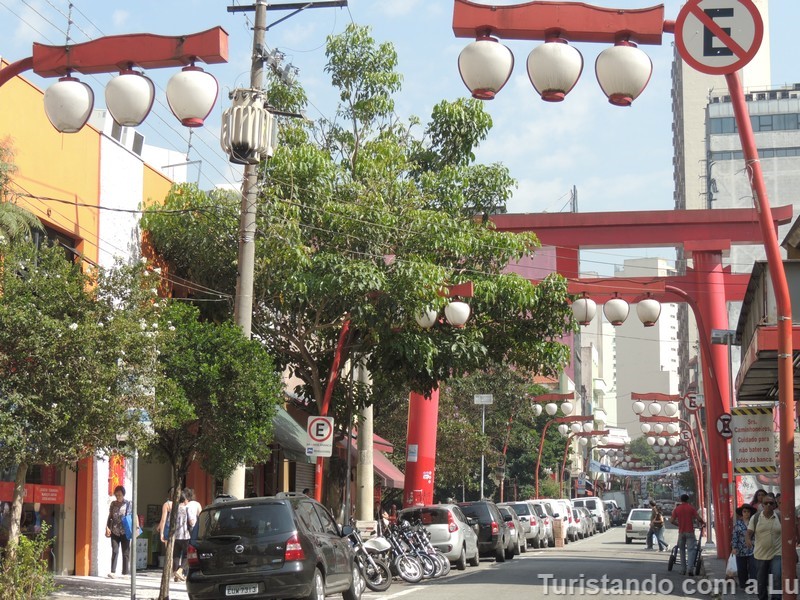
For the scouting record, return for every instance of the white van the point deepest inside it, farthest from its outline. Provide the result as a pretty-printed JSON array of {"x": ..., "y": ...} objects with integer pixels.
[{"x": 598, "y": 510}]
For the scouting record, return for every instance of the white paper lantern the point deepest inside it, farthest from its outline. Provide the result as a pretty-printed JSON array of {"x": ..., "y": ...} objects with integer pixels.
[
  {"x": 566, "y": 408},
  {"x": 554, "y": 68},
  {"x": 427, "y": 319},
  {"x": 654, "y": 408},
  {"x": 587, "y": 427},
  {"x": 648, "y": 311},
  {"x": 623, "y": 72},
  {"x": 616, "y": 311},
  {"x": 671, "y": 409},
  {"x": 658, "y": 428},
  {"x": 651, "y": 440},
  {"x": 457, "y": 313},
  {"x": 673, "y": 427},
  {"x": 551, "y": 408},
  {"x": 68, "y": 104},
  {"x": 563, "y": 429},
  {"x": 638, "y": 407},
  {"x": 537, "y": 410},
  {"x": 575, "y": 427},
  {"x": 129, "y": 98},
  {"x": 662, "y": 441},
  {"x": 584, "y": 310},
  {"x": 583, "y": 441},
  {"x": 485, "y": 66},
  {"x": 191, "y": 94},
  {"x": 645, "y": 427}
]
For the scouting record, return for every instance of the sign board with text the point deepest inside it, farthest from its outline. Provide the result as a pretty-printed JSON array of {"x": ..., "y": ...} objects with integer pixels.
[
  {"x": 320, "y": 436},
  {"x": 753, "y": 441},
  {"x": 483, "y": 399}
]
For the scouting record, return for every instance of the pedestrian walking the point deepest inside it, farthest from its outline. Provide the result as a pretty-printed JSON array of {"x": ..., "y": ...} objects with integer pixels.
[
  {"x": 118, "y": 510},
  {"x": 182, "y": 536},
  {"x": 765, "y": 527},
  {"x": 757, "y": 498},
  {"x": 163, "y": 524},
  {"x": 193, "y": 509},
  {"x": 745, "y": 562},
  {"x": 684, "y": 516},
  {"x": 657, "y": 523},
  {"x": 651, "y": 532}
]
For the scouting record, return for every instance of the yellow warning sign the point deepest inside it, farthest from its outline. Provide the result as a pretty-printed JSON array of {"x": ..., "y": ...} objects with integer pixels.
[{"x": 753, "y": 441}]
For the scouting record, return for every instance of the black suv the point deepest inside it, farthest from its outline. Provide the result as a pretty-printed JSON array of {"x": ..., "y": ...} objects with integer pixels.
[
  {"x": 493, "y": 533},
  {"x": 286, "y": 546}
]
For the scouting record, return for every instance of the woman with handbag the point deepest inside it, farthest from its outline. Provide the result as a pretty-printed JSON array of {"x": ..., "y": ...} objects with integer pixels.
[
  {"x": 657, "y": 523},
  {"x": 745, "y": 561},
  {"x": 115, "y": 530}
]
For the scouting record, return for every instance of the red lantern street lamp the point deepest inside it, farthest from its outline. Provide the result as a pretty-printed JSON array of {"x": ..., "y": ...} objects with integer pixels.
[
  {"x": 623, "y": 72},
  {"x": 554, "y": 68},
  {"x": 485, "y": 66}
]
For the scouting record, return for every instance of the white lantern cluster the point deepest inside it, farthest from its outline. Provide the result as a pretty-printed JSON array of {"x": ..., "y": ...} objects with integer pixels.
[
  {"x": 654, "y": 408},
  {"x": 554, "y": 68},
  {"x": 191, "y": 94},
  {"x": 616, "y": 311},
  {"x": 456, "y": 312}
]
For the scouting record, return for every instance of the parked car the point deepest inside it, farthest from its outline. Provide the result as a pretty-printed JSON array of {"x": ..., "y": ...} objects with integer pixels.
[
  {"x": 545, "y": 514},
  {"x": 451, "y": 532},
  {"x": 591, "y": 526},
  {"x": 493, "y": 533},
  {"x": 597, "y": 508},
  {"x": 581, "y": 523},
  {"x": 638, "y": 525},
  {"x": 531, "y": 524},
  {"x": 284, "y": 546},
  {"x": 517, "y": 538},
  {"x": 562, "y": 509}
]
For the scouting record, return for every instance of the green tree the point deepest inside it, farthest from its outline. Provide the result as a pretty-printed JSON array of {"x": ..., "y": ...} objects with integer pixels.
[
  {"x": 16, "y": 223},
  {"x": 71, "y": 343},
  {"x": 216, "y": 400},
  {"x": 365, "y": 220}
]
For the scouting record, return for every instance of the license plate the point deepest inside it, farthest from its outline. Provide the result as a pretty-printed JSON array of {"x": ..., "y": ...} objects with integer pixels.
[{"x": 243, "y": 589}]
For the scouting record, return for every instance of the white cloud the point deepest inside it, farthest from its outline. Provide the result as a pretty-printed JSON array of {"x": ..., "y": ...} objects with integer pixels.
[{"x": 120, "y": 17}]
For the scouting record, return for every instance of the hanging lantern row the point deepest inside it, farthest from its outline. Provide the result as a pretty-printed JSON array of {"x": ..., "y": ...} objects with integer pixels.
[
  {"x": 554, "y": 68},
  {"x": 616, "y": 311},
  {"x": 456, "y": 312},
  {"x": 191, "y": 94},
  {"x": 654, "y": 408},
  {"x": 663, "y": 440}
]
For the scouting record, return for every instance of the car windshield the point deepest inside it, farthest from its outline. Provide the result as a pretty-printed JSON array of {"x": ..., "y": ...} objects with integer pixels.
[
  {"x": 476, "y": 511},
  {"x": 640, "y": 515},
  {"x": 428, "y": 516},
  {"x": 246, "y": 521},
  {"x": 521, "y": 508}
]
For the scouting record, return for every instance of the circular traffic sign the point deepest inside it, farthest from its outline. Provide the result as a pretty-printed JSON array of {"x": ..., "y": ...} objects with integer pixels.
[
  {"x": 718, "y": 37},
  {"x": 320, "y": 429},
  {"x": 724, "y": 426},
  {"x": 690, "y": 402},
  {"x": 686, "y": 435}
]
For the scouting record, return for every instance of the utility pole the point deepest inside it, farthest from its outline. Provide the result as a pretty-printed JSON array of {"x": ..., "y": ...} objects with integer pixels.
[
  {"x": 243, "y": 302},
  {"x": 365, "y": 473}
]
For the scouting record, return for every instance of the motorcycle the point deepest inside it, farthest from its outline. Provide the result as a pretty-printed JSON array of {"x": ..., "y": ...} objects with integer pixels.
[
  {"x": 403, "y": 564},
  {"x": 376, "y": 573}
]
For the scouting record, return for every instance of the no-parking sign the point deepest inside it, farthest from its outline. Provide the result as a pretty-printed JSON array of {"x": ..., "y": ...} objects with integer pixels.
[
  {"x": 718, "y": 37},
  {"x": 320, "y": 436}
]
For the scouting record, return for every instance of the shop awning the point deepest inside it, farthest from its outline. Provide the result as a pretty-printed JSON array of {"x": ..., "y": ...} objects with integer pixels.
[
  {"x": 391, "y": 475},
  {"x": 291, "y": 436}
]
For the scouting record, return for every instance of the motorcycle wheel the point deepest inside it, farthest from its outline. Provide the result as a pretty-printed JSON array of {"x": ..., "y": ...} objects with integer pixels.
[
  {"x": 408, "y": 568},
  {"x": 430, "y": 567},
  {"x": 445, "y": 563},
  {"x": 377, "y": 578}
]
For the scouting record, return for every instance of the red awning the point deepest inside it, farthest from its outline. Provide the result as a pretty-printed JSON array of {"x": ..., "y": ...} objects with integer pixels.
[{"x": 391, "y": 475}]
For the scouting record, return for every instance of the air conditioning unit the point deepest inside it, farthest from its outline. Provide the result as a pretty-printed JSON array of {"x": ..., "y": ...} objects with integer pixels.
[{"x": 761, "y": 96}]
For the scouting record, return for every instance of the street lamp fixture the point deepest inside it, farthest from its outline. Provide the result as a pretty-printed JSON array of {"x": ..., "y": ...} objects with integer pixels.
[
  {"x": 584, "y": 310},
  {"x": 485, "y": 66},
  {"x": 648, "y": 310},
  {"x": 129, "y": 97},
  {"x": 623, "y": 72},
  {"x": 616, "y": 311},
  {"x": 554, "y": 68}
]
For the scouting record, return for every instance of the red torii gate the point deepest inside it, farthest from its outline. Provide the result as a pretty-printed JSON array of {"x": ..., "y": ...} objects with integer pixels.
[{"x": 704, "y": 236}]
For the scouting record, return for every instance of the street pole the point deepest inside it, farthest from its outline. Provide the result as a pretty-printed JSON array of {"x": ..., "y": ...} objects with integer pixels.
[
  {"x": 243, "y": 303},
  {"x": 483, "y": 431},
  {"x": 365, "y": 474},
  {"x": 135, "y": 521}
]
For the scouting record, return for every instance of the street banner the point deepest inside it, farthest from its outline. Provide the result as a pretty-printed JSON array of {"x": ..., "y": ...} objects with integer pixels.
[
  {"x": 680, "y": 467},
  {"x": 753, "y": 441}
]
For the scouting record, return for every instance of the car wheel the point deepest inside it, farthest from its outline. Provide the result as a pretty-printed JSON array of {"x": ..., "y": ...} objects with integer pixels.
[
  {"x": 461, "y": 563},
  {"x": 552, "y": 542},
  {"x": 318, "y": 586},
  {"x": 475, "y": 560},
  {"x": 628, "y": 540},
  {"x": 358, "y": 584},
  {"x": 524, "y": 546},
  {"x": 500, "y": 554},
  {"x": 535, "y": 543}
]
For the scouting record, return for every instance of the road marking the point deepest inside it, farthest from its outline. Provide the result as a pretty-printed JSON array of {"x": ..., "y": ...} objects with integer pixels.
[{"x": 403, "y": 593}]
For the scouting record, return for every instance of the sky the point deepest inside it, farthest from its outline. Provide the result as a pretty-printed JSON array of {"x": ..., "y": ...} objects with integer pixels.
[{"x": 617, "y": 158}]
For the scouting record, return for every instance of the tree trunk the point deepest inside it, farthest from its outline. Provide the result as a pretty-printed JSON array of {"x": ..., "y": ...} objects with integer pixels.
[{"x": 16, "y": 510}]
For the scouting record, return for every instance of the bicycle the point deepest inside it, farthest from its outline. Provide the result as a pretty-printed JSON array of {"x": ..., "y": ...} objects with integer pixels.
[{"x": 697, "y": 567}]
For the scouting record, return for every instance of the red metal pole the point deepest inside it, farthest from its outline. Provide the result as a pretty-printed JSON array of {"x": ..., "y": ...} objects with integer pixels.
[
  {"x": 784, "y": 309},
  {"x": 423, "y": 416},
  {"x": 539, "y": 458},
  {"x": 326, "y": 402},
  {"x": 15, "y": 68}
]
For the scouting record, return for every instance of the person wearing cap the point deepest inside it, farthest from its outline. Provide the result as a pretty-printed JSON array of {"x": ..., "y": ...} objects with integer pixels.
[{"x": 745, "y": 563}]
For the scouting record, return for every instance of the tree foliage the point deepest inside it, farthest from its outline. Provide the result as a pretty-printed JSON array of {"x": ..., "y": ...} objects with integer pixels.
[
  {"x": 16, "y": 223},
  {"x": 73, "y": 346},
  {"x": 368, "y": 219}
]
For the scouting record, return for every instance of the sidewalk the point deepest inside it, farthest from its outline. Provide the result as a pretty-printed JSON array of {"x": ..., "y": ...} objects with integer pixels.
[
  {"x": 102, "y": 588},
  {"x": 715, "y": 571}
]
